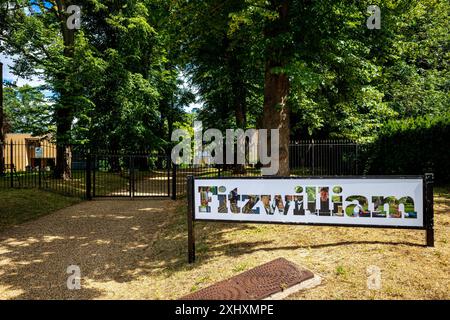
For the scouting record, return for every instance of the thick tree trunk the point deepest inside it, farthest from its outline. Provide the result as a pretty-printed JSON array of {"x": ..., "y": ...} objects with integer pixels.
[
  {"x": 276, "y": 85},
  {"x": 276, "y": 114},
  {"x": 63, "y": 162},
  {"x": 64, "y": 117},
  {"x": 64, "y": 114},
  {"x": 239, "y": 99}
]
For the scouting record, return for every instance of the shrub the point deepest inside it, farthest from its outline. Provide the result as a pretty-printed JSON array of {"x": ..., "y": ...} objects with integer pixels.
[{"x": 412, "y": 146}]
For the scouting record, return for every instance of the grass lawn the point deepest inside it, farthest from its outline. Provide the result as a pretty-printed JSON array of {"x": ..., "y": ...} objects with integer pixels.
[
  {"x": 340, "y": 255},
  {"x": 442, "y": 191},
  {"x": 20, "y": 205},
  {"x": 138, "y": 250}
]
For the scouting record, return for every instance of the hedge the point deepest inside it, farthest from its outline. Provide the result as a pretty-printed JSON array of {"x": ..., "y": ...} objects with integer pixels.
[{"x": 412, "y": 146}]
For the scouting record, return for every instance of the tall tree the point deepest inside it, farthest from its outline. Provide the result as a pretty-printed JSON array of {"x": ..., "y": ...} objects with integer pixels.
[
  {"x": 276, "y": 113},
  {"x": 38, "y": 34},
  {"x": 27, "y": 110}
]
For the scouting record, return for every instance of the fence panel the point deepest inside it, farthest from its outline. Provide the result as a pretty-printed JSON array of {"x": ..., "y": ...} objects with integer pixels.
[
  {"x": 145, "y": 174},
  {"x": 306, "y": 158},
  {"x": 324, "y": 158},
  {"x": 32, "y": 165},
  {"x": 116, "y": 174}
]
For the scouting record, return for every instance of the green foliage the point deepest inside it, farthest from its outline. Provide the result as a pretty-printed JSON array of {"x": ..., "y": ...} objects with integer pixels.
[
  {"x": 412, "y": 146},
  {"x": 26, "y": 110},
  {"x": 115, "y": 85},
  {"x": 120, "y": 85},
  {"x": 223, "y": 61}
]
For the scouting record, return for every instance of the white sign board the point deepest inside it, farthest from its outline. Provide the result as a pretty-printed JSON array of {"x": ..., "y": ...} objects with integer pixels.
[
  {"x": 350, "y": 201},
  {"x": 39, "y": 152}
]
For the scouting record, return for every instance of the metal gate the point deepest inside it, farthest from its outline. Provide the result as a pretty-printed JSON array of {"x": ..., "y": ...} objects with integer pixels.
[
  {"x": 324, "y": 157},
  {"x": 130, "y": 175}
]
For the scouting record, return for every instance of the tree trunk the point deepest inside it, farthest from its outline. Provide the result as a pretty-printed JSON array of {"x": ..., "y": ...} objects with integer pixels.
[
  {"x": 239, "y": 99},
  {"x": 63, "y": 162},
  {"x": 276, "y": 114},
  {"x": 276, "y": 85},
  {"x": 64, "y": 114}
]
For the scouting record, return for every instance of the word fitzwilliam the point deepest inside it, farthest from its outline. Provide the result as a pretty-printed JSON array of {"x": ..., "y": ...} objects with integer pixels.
[{"x": 310, "y": 200}]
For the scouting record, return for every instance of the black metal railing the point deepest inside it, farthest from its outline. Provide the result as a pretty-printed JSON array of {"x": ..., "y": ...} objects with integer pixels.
[
  {"x": 120, "y": 174},
  {"x": 324, "y": 157},
  {"x": 103, "y": 173},
  {"x": 32, "y": 164}
]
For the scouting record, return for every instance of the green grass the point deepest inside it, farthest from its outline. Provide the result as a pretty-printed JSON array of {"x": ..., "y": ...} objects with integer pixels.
[
  {"x": 442, "y": 191},
  {"x": 106, "y": 182},
  {"x": 20, "y": 205}
]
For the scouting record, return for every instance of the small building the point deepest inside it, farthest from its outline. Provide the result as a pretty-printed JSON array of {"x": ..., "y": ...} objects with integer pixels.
[{"x": 28, "y": 152}]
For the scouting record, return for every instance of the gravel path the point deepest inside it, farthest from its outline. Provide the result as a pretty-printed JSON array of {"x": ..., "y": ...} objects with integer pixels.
[
  {"x": 136, "y": 249},
  {"x": 110, "y": 240}
]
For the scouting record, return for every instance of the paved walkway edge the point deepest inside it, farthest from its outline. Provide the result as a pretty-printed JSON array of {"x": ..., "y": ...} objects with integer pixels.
[{"x": 307, "y": 284}]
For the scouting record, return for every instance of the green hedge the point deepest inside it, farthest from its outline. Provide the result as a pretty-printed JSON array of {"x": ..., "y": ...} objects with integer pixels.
[{"x": 412, "y": 146}]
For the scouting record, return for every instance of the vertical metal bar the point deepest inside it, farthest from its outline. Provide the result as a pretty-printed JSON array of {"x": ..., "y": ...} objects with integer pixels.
[
  {"x": 190, "y": 219},
  {"x": 429, "y": 210},
  {"x": 88, "y": 176},
  {"x": 40, "y": 174},
  {"x": 94, "y": 167},
  {"x": 130, "y": 176},
  {"x": 174, "y": 181},
  {"x": 11, "y": 165},
  {"x": 168, "y": 174}
]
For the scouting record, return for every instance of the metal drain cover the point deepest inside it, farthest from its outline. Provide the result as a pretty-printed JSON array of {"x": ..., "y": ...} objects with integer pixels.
[{"x": 255, "y": 284}]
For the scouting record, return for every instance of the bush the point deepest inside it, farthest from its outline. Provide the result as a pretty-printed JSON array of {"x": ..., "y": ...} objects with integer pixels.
[{"x": 412, "y": 146}]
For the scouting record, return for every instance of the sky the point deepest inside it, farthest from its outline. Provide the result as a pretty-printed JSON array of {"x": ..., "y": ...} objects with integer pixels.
[{"x": 8, "y": 76}]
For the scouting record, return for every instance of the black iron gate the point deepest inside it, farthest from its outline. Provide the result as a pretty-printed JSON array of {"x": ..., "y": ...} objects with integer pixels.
[
  {"x": 324, "y": 157},
  {"x": 130, "y": 175}
]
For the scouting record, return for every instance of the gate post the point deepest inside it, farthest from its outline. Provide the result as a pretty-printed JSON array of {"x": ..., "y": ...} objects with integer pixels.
[
  {"x": 88, "y": 175},
  {"x": 190, "y": 219},
  {"x": 357, "y": 158},
  {"x": 429, "y": 210},
  {"x": 174, "y": 181},
  {"x": 93, "y": 168},
  {"x": 131, "y": 178},
  {"x": 168, "y": 174},
  {"x": 40, "y": 174},
  {"x": 11, "y": 166}
]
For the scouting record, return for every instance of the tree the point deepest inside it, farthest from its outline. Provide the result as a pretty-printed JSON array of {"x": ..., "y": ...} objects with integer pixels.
[
  {"x": 276, "y": 112},
  {"x": 27, "y": 110},
  {"x": 108, "y": 76},
  {"x": 37, "y": 33}
]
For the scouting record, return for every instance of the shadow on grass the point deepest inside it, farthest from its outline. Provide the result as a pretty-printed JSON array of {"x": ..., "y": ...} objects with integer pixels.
[{"x": 245, "y": 247}]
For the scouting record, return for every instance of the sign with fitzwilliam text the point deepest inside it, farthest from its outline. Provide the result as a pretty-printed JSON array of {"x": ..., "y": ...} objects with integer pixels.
[{"x": 352, "y": 201}]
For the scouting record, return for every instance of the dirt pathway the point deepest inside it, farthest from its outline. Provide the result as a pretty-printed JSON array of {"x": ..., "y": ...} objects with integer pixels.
[{"x": 108, "y": 239}]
